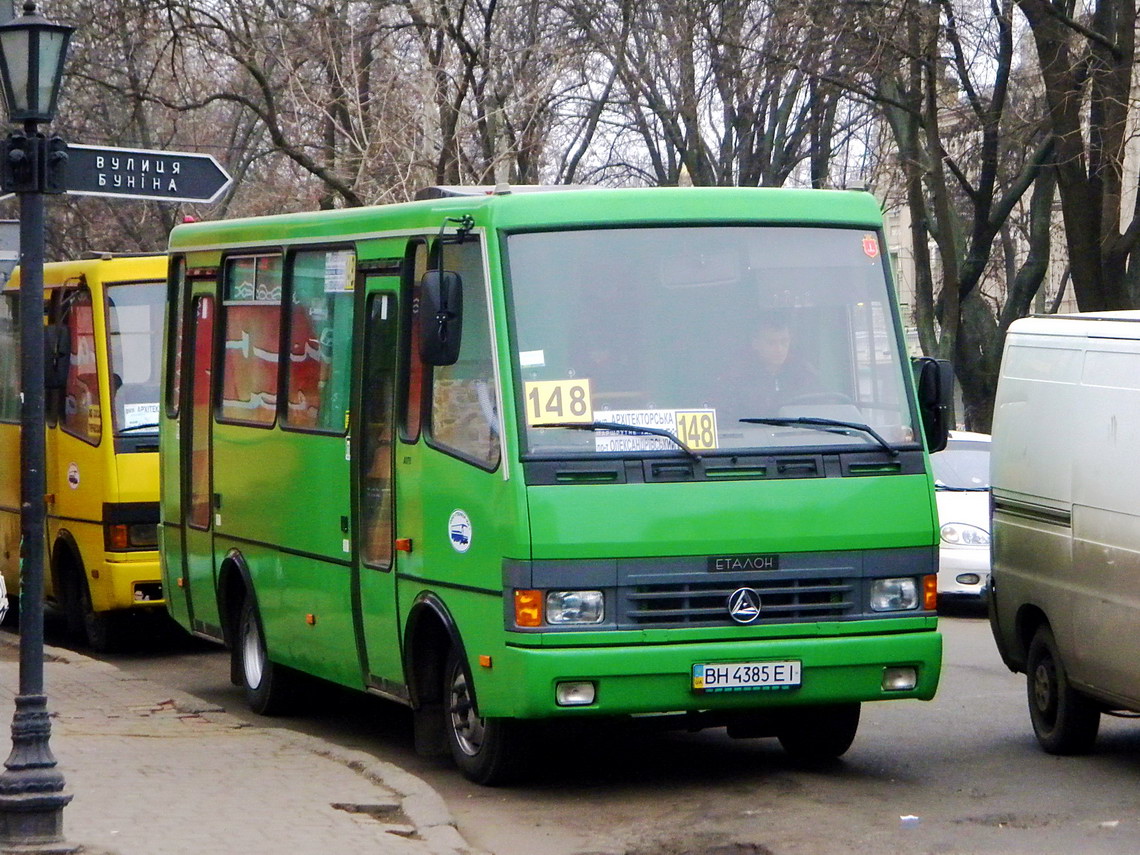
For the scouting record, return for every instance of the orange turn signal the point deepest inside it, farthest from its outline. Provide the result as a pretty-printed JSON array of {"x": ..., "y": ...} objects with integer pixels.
[
  {"x": 118, "y": 537},
  {"x": 528, "y": 608},
  {"x": 930, "y": 593}
]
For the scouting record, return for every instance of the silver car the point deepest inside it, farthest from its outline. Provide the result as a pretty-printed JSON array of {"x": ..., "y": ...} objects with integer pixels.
[{"x": 962, "y": 482}]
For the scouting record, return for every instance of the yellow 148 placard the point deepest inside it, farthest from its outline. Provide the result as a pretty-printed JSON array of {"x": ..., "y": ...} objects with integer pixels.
[{"x": 549, "y": 401}]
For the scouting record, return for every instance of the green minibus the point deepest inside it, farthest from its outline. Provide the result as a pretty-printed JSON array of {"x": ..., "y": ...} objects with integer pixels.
[{"x": 516, "y": 455}]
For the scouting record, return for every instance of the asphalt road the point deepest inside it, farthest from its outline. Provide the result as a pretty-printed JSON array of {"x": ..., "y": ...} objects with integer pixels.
[{"x": 959, "y": 774}]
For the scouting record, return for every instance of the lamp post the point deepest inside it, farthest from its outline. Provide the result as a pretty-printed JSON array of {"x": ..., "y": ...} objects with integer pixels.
[{"x": 32, "y": 52}]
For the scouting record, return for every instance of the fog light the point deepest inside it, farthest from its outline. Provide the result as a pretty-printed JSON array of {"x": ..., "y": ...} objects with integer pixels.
[
  {"x": 579, "y": 694},
  {"x": 901, "y": 678},
  {"x": 968, "y": 579}
]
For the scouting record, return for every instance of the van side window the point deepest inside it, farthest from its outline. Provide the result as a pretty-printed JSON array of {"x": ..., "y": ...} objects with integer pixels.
[
  {"x": 464, "y": 401},
  {"x": 82, "y": 416},
  {"x": 10, "y": 357},
  {"x": 320, "y": 339},
  {"x": 252, "y": 291}
]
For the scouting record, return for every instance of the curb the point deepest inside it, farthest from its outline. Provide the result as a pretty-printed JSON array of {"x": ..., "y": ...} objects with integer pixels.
[{"x": 419, "y": 802}]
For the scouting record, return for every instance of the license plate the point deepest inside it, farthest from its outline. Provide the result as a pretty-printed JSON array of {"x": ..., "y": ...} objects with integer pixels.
[{"x": 745, "y": 676}]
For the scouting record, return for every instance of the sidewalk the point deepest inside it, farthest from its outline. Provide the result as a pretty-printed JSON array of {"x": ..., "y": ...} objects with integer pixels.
[{"x": 159, "y": 773}]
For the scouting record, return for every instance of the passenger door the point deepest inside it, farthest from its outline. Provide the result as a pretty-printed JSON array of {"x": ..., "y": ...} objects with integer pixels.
[
  {"x": 197, "y": 468},
  {"x": 373, "y": 469}
]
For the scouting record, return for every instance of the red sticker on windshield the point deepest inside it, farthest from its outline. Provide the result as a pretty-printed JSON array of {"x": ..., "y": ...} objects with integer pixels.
[{"x": 871, "y": 246}]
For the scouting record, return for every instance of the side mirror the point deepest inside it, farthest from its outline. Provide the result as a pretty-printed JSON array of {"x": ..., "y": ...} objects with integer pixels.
[
  {"x": 57, "y": 355},
  {"x": 935, "y": 381},
  {"x": 441, "y": 317}
]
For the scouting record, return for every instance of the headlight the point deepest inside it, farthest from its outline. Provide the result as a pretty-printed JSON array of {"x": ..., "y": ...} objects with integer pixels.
[
  {"x": 894, "y": 595},
  {"x": 575, "y": 607},
  {"x": 961, "y": 534}
]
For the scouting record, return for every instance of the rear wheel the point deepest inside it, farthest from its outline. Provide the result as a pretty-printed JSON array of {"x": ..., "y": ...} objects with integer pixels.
[
  {"x": 818, "y": 734},
  {"x": 486, "y": 750},
  {"x": 270, "y": 689},
  {"x": 1064, "y": 720}
]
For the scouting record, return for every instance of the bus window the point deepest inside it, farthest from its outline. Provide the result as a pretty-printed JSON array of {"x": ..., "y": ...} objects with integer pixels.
[
  {"x": 9, "y": 357},
  {"x": 134, "y": 324},
  {"x": 200, "y": 394},
  {"x": 464, "y": 403},
  {"x": 81, "y": 414},
  {"x": 174, "y": 353},
  {"x": 320, "y": 336},
  {"x": 377, "y": 415},
  {"x": 253, "y": 334},
  {"x": 415, "y": 371}
]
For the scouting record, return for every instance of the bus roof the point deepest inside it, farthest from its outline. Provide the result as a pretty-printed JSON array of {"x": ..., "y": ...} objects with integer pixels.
[
  {"x": 570, "y": 208},
  {"x": 101, "y": 267}
]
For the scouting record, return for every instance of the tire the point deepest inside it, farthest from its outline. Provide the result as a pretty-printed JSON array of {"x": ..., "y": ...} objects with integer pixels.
[
  {"x": 270, "y": 689},
  {"x": 101, "y": 631},
  {"x": 819, "y": 734},
  {"x": 487, "y": 750},
  {"x": 1064, "y": 720}
]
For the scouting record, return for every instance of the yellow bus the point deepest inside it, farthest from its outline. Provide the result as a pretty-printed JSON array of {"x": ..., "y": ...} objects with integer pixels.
[{"x": 104, "y": 316}]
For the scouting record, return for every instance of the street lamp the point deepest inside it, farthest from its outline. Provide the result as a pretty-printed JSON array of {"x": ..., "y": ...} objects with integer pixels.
[{"x": 32, "y": 51}]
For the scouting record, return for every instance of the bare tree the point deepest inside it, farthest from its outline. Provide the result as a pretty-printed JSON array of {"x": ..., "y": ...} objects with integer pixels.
[
  {"x": 968, "y": 154},
  {"x": 1087, "y": 54}
]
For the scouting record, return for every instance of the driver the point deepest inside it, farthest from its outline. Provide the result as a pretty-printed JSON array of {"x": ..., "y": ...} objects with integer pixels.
[{"x": 769, "y": 375}]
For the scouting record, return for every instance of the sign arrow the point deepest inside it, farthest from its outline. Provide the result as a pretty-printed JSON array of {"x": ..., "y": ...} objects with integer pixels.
[{"x": 166, "y": 176}]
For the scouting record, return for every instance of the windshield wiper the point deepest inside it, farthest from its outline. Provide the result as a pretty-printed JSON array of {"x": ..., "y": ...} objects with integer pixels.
[
  {"x": 951, "y": 489},
  {"x": 831, "y": 426},
  {"x": 133, "y": 428},
  {"x": 651, "y": 431}
]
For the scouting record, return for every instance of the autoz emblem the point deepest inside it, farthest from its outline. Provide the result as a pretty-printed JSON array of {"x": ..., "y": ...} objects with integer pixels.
[{"x": 744, "y": 605}]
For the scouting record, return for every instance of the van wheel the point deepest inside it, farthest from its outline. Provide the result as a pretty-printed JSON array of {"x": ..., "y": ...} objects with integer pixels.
[
  {"x": 486, "y": 750},
  {"x": 819, "y": 734},
  {"x": 270, "y": 689},
  {"x": 1064, "y": 720}
]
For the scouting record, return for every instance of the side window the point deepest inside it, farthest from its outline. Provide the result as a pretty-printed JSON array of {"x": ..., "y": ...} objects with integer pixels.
[
  {"x": 198, "y": 506},
  {"x": 377, "y": 424},
  {"x": 464, "y": 403},
  {"x": 10, "y": 357},
  {"x": 81, "y": 414},
  {"x": 252, "y": 301},
  {"x": 320, "y": 338},
  {"x": 174, "y": 357},
  {"x": 415, "y": 371}
]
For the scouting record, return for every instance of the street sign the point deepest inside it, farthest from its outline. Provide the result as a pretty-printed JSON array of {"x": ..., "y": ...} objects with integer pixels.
[{"x": 167, "y": 176}]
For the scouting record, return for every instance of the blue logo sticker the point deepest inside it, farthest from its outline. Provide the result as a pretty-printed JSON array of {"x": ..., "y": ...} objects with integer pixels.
[{"x": 459, "y": 531}]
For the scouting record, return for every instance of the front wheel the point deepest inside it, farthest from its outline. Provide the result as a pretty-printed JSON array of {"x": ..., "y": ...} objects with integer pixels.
[
  {"x": 270, "y": 689},
  {"x": 486, "y": 750},
  {"x": 819, "y": 734},
  {"x": 1064, "y": 720},
  {"x": 101, "y": 631}
]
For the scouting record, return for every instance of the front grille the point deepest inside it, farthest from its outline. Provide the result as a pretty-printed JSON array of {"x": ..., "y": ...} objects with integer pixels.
[{"x": 705, "y": 603}]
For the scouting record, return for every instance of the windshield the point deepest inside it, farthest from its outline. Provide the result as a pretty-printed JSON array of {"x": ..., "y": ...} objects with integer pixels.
[
  {"x": 962, "y": 466},
  {"x": 134, "y": 319},
  {"x": 693, "y": 329}
]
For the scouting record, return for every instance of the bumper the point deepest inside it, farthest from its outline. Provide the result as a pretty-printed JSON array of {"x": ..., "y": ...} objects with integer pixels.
[
  {"x": 963, "y": 572},
  {"x": 128, "y": 581},
  {"x": 656, "y": 678}
]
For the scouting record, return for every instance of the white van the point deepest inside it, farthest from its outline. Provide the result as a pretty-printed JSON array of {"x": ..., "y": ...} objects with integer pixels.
[{"x": 1065, "y": 472}]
